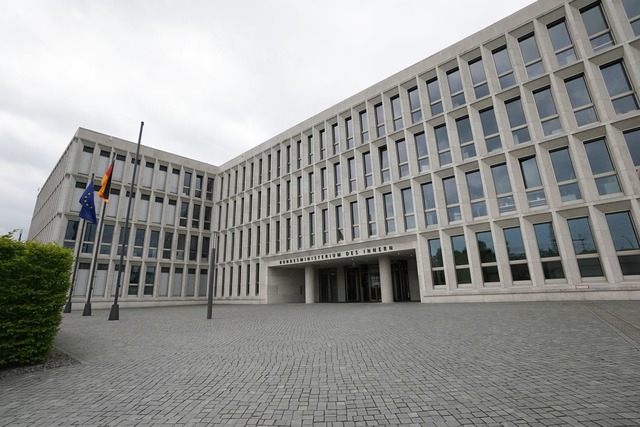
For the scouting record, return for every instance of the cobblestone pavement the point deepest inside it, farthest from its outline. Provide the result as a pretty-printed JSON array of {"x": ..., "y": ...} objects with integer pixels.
[{"x": 543, "y": 363}]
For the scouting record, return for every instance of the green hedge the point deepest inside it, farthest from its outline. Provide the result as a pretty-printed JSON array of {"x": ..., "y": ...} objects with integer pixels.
[{"x": 34, "y": 282}]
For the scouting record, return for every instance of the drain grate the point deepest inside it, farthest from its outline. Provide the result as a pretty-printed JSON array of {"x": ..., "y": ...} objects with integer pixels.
[{"x": 626, "y": 329}]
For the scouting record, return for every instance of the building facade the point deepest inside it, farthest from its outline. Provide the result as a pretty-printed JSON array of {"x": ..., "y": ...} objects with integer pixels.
[{"x": 505, "y": 167}]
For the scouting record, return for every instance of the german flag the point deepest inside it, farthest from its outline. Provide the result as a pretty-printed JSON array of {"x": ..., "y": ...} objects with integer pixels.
[{"x": 105, "y": 187}]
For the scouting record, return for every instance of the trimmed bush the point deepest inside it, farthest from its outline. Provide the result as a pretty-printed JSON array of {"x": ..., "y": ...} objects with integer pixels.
[{"x": 34, "y": 282}]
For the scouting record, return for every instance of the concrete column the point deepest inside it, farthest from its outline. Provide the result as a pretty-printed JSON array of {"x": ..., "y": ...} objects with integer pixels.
[
  {"x": 309, "y": 284},
  {"x": 386, "y": 288}
]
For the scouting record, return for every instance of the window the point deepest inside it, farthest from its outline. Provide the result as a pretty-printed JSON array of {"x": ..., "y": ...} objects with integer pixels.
[
  {"x": 517, "y": 121},
  {"x": 371, "y": 217},
  {"x": 351, "y": 169},
  {"x": 324, "y": 184},
  {"x": 531, "y": 55},
  {"x": 633, "y": 144},
  {"x": 385, "y": 171},
  {"x": 532, "y": 182},
  {"x": 465, "y": 135},
  {"x": 414, "y": 105},
  {"x": 632, "y": 8},
  {"x": 325, "y": 226},
  {"x": 517, "y": 254},
  {"x": 355, "y": 221},
  {"x": 422, "y": 151},
  {"x": 561, "y": 42},
  {"x": 437, "y": 263},
  {"x": 597, "y": 27},
  {"x": 565, "y": 175},
  {"x": 478, "y": 78},
  {"x": 312, "y": 229},
  {"x": 442, "y": 141},
  {"x": 429, "y": 204},
  {"x": 581, "y": 103},
  {"x": 620, "y": 90},
  {"x": 348, "y": 125},
  {"x": 548, "y": 249},
  {"x": 379, "y": 116},
  {"x": 339, "y": 224},
  {"x": 490, "y": 130},
  {"x": 461, "y": 260},
  {"x": 337, "y": 177},
  {"x": 547, "y": 111},
  {"x": 403, "y": 158},
  {"x": 487, "y": 254},
  {"x": 585, "y": 247},
  {"x": 602, "y": 167},
  {"x": 451, "y": 197},
  {"x": 502, "y": 186},
  {"x": 364, "y": 127},
  {"x": 435, "y": 98},
  {"x": 396, "y": 112},
  {"x": 503, "y": 67},
  {"x": 455, "y": 87},
  {"x": 389, "y": 217},
  {"x": 368, "y": 169},
  {"x": 476, "y": 194},
  {"x": 323, "y": 144},
  {"x": 625, "y": 240},
  {"x": 407, "y": 208}
]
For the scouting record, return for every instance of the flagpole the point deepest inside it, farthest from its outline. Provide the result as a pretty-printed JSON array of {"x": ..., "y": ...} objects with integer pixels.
[
  {"x": 87, "y": 305},
  {"x": 115, "y": 312},
  {"x": 67, "y": 307}
]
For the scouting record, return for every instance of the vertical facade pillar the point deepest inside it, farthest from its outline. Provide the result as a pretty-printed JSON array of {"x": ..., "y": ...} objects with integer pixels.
[
  {"x": 386, "y": 287},
  {"x": 309, "y": 284}
]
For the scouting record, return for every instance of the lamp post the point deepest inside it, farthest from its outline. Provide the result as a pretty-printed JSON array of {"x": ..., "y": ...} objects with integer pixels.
[{"x": 214, "y": 242}]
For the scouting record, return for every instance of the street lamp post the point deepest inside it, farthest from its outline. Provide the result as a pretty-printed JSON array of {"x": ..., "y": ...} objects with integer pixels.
[{"x": 212, "y": 273}]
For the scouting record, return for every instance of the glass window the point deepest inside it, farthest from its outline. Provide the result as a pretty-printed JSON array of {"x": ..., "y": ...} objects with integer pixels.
[
  {"x": 442, "y": 141},
  {"x": 451, "y": 196},
  {"x": 389, "y": 216},
  {"x": 565, "y": 175},
  {"x": 597, "y": 27},
  {"x": 429, "y": 204},
  {"x": 547, "y": 111},
  {"x": 437, "y": 264},
  {"x": 487, "y": 254},
  {"x": 632, "y": 8},
  {"x": 407, "y": 207},
  {"x": 581, "y": 103},
  {"x": 619, "y": 87},
  {"x": 562, "y": 44},
  {"x": 414, "y": 105},
  {"x": 465, "y": 135},
  {"x": 476, "y": 194},
  {"x": 633, "y": 144},
  {"x": 490, "y": 129},
  {"x": 531, "y": 55},
  {"x": 517, "y": 254},
  {"x": 517, "y": 121},
  {"x": 435, "y": 98},
  {"x": 602, "y": 168},
  {"x": 548, "y": 249},
  {"x": 585, "y": 247},
  {"x": 478, "y": 78},
  {"x": 461, "y": 259},
  {"x": 422, "y": 151},
  {"x": 503, "y": 67},
  {"x": 502, "y": 185},
  {"x": 625, "y": 241},
  {"x": 455, "y": 87}
]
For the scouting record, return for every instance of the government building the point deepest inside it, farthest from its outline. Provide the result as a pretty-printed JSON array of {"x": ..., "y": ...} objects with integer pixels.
[{"x": 503, "y": 168}]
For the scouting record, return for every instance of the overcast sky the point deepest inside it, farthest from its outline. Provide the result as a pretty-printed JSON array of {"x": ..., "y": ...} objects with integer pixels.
[{"x": 210, "y": 79}]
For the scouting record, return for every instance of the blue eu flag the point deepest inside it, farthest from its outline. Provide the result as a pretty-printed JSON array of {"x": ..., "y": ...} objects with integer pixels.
[{"x": 88, "y": 210}]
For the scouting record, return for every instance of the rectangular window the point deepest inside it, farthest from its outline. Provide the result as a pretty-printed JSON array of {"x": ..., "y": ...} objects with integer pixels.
[
  {"x": 348, "y": 127},
  {"x": 517, "y": 121},
  {"x": 476, "y": 194},
  {"x": 633, "y": 144},
  {"x": 549, "y": 252},
  {"x": 517, "y": 254},
  {"x": 503, "y": 67},
  {"x": 355, "y": 221},
  {"x": 435, "y": 98},
  {"x": 403, "y": 158},
  {"x": 408, "y": 210},
  {"x": 565, "y": 175},
  {"x": 339, "y": 224},
  {"x": 414, "y": 105},
  {"x": 379, "y": 116},
  {"x": 585, "y": 247},
  {"x": 561, "y": 42},
  {"x": 442, "y": 141},
  {"x": 502, "y": 186},
  {"x": 547, "y": 111},
  {"x": 429, "y": 204},
  {"x": 455, "y": 87},
  {"x": 478, "y": 78},
  {"x": 632, "y": 8},
  {"x": 325, "y": 226},
  {"x": 389, "y": 216},
  {"x": 531, "y": 55},
  {"x": 368, "y": 169},
  {"x": 422, "y": 152},
  {"x": 437, "y": 263},
  {"x": 364, "y": 127},
  {"x": 396, "y": 113},
  {"x": 619, "y": 88},
  {"x": 602, "y": 168},
  {"x": 625, "y": 240},
  {"x": 490, "y": 130},
  {"x": 532, "y": 182},
  {"x": 487, "y": 252},
  {"x": 385, "y": 170},
  {"x": 351, "y": 165},
  {"x": 461, "y": 260},
  {"x": 371, "y": 217},
  {"x": 465, "y": 136},
  {"x": 597, "y": 27},
  {"x": 451, "y": 197},
  {"x": 581, "y": 102}
]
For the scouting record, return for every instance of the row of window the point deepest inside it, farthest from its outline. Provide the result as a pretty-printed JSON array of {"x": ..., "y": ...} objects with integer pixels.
[{"x": 457, "y": 255}]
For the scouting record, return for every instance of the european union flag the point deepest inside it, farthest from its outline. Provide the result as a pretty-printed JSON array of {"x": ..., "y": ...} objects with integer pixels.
[{"x": 88, "y": 210}]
